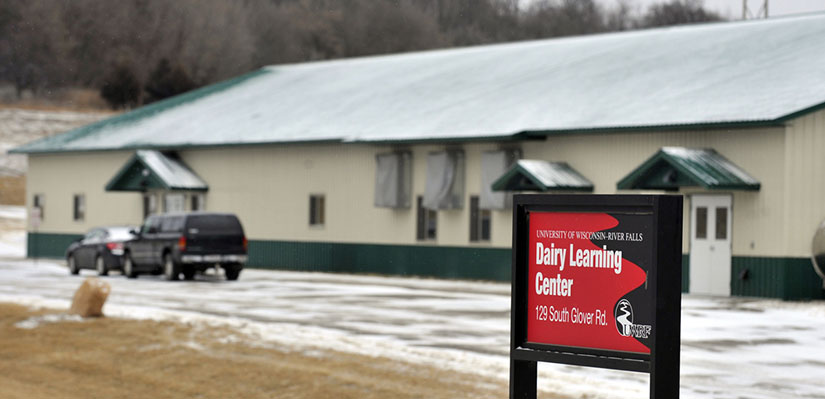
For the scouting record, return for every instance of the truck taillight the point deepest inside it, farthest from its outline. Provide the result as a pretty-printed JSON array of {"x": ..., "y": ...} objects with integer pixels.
[
  {"x": 182, "y": 243},
  {"x": 245, "y": 244}
]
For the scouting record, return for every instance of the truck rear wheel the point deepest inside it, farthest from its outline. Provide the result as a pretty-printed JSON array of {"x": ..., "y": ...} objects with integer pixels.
[
  {"x": 188, "y": 273},
  {"x": 232, "y": 271}
]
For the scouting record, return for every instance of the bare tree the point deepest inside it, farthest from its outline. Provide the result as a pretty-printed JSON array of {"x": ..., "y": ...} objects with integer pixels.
[
  {"x": 678, "y": 12},
  {"x": 47, "y": 44},
  {"x": 549, "y": 18},
  {"x": 32, "y": 48}
]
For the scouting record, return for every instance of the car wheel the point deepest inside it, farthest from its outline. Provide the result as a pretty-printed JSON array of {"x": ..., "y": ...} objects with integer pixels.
[
  {"x": 171, "y": 270},
  {"x": 189, "y": 274},
  {"x": 232, "y": 272},
  {"x": 128, "y": 266},
  {"x": 72, "y": 262},
  {"x": 100, "y": 265}
]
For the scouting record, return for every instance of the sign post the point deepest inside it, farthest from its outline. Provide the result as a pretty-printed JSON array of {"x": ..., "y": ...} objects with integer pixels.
[{"x": 596, "y": 282}]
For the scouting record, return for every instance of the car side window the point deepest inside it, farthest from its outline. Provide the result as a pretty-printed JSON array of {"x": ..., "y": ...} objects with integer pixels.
[
  {"x": 156, "y": 224},
  {"x": 151, "y": 225},
  {"x": 177, "y": 224},
  {"x": 172, "y": 224},
  {"x": 90, "y": 235}
]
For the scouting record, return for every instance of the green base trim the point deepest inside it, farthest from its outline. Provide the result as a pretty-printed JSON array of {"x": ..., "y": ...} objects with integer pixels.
[
  {"x": 49, "y": 245},
  {"x": 685, "y": 273},
  {"x": 404, "y": 260},
  {"x": 784, "y": 278}
]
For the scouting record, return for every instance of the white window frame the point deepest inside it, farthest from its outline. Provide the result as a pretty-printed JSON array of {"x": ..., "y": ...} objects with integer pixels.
[{"x": 174, "y": 198}]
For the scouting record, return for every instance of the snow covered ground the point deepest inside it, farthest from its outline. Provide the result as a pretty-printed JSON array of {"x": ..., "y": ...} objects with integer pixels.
[
  {"x": 731, "y": 348},
  {"x": 12, "y": 231},
  {"x": 19, "y": 126}
]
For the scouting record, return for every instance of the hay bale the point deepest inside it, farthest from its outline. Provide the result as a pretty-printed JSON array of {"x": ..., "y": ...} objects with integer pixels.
[{"x": 89, "y": 299}]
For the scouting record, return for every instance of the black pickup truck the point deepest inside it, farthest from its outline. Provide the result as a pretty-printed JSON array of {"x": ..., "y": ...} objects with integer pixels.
[{"x": 187, "y": 243}]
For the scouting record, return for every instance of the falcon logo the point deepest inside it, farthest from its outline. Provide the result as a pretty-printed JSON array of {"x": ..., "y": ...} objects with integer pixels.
[{"x": 624, "y": 321}]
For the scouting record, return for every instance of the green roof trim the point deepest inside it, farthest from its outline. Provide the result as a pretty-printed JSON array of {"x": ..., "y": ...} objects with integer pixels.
[
  {"x": 55, "y": 143},
  {"x": 749, "y": 124},
  {"x": 152, "y": 170},
  {"x": 537, "y": 175},
  {"x": 674, "y": 167}
]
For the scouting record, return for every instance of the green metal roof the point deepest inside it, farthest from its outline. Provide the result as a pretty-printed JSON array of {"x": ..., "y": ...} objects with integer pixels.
[
  {"x": 152, "y": 170},
  {"x": 674, "y": 167},
  {"x": 537, "y": 175}
]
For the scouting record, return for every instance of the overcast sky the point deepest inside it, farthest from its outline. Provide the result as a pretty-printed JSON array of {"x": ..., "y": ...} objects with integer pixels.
[{"x": 732, "y": 9}]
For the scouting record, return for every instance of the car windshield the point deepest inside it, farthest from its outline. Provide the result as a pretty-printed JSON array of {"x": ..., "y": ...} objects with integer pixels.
[{"x": 119, "y": 234}]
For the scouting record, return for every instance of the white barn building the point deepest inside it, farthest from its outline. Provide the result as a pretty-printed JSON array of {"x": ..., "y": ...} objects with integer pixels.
[{"x": 400, "y": 164}]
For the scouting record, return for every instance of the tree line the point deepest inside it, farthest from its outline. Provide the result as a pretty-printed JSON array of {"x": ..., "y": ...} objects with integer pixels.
[{"x": 139, "y": 51}]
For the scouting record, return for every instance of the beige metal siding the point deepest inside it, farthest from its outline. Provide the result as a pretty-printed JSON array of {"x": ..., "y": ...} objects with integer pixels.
[
  {"x": 60, "y": 176},
  {"x": 269, "y": 186},
  {"x": 804, "y": 182},
  {"x": 757, "y": 216}
]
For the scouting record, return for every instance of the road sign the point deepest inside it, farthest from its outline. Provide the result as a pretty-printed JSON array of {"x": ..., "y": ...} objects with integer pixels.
[
  {"x": 596, "y": 282},
  {"x": 35, "y": 217}
]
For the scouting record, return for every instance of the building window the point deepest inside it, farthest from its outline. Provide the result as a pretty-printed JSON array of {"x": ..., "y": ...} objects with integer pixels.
[
  {"x": 427, "y": 225},
  {"x": 393, "y": 180},
  {"x": 701, "y": 222},
  {"x": 445, "y": 180},
  {"x": 174, "y": 203},
  {"x": 79, "y": 207},
  {"x": 479, "y": 221},
  {"x": 150, "y": 205},
  {"x": 721, "y": 223},
  {"x": 316, "y": 210},
  {"x": 39, "y": 203},
  {"x": 198, "y": 202}
]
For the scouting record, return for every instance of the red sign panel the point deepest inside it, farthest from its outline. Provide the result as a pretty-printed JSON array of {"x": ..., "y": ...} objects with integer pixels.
[{"x": 588, "y": 281}]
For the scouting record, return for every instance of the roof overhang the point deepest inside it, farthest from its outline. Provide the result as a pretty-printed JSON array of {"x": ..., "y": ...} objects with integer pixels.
[
  {"x": 674, "y": 167},
  {"x": 537, "y": 175},
  {"x": 154, "y": 170}
]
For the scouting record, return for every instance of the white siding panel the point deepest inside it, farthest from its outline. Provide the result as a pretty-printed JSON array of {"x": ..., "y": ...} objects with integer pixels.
[
  {"x": 607, "y": 158},
  {"x": 804, "y": 181},
  {"x": 60, "y": 176},
  {"x": 269, "y": 186}
]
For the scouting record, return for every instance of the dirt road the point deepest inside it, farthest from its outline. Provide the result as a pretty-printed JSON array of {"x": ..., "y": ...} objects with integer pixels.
[{"x": 44, "y": 355}]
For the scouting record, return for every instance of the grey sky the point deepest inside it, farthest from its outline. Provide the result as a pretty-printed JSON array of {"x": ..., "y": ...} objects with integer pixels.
[{"x": 732, "y": 9}]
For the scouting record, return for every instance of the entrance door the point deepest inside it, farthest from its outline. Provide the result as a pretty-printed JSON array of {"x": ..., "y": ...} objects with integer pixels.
[{"x": 710, "y": 244}]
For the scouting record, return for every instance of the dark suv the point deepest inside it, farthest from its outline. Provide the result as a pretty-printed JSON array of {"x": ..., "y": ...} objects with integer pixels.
[{"x": 186, "y": 243}]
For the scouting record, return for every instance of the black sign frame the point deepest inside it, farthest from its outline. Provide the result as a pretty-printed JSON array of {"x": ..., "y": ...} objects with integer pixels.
[{"x": 665, "y": 274}]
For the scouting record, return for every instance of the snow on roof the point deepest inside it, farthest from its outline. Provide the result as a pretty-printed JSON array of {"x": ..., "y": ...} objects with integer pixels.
[
  {"x": 172, "y": 172},
  {"x": 711, "y": 167},
  {"x": 535, "y": 174},
  {"x": 554, "y": 174},
  {"x": 721, "y": 73}
]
